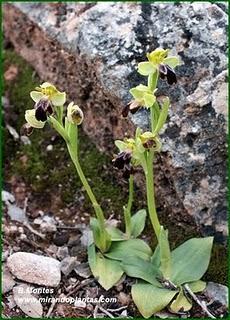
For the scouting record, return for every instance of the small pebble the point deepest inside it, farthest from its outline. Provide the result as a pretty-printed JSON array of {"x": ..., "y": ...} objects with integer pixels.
[
  {"x": 60, "y": 238},
  {"x": 79, "y": 304},
  {"x": 49, "y": 147},
  {"x": 20, "y": 230},
  {"x": 62, "y": 253},
  {"x": 13, "y": 229},
  {"x": 124, "y": 298},
  {"x": 23, "y": 236},
  {"x": 68, "y": 264}
]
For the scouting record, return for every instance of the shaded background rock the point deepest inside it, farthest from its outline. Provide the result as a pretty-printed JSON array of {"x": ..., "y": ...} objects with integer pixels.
[{"x": 91, "y": 51}]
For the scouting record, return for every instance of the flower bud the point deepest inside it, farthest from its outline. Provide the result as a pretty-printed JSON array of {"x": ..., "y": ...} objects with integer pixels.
[
  {"x": 74, "y": 114},
  {"x": 26, "y": 130}
]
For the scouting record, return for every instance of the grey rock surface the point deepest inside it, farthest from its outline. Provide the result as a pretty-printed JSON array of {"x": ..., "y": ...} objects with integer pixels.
[
  {"x": 218, "y": 293},
  {"x": 36, "y": 269},
  {"x": 7, "y": 281},
  {"x": 91, "y": 51},
  {"x": 30, "y": 305}
]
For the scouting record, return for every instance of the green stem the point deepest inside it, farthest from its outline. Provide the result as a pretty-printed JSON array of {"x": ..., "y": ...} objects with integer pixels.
[
  {"x": 152, "y": 80},
  {"x": 127, "y": 210},
  {"x": 152, "y": 84},
  {"x": 149, "y": 175},
  {"x": 96, "y": 206},
  {"x": 73, "y": 151}
]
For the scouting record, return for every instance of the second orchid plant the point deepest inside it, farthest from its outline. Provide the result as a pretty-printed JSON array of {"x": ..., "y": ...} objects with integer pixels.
[{"x": 164, "y": 277}]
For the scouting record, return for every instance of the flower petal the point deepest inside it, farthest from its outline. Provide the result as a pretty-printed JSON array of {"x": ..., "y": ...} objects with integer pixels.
[
  {"x": 36, "y": 96},
  {"x": 172, "y": 61},
  {"x": 33, "y": 122},
  {"x": 138, "y": 91},
  {"x": 146, "y": 68},
  {"x": 58, "y": 99},
  {"x": 149, "y": 99},
  {"x": 47, "y": 85}
]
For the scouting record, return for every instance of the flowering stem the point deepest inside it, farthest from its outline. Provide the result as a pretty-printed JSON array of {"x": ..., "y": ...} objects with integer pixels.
[
  {"x": 149, "y": 175},
  {"x": 127, "y": 210},
  {"x": 96, "y": 206},
  {"x": 70, "y": 135}
]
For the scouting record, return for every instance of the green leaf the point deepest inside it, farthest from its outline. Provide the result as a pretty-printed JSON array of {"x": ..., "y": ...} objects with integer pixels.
[
  {"x": 165, "y": 254},
  {"x": 138, "y": 268},
  {"x": 146, "y": 68},
  {"x": 149, "y": 99},
  {"x": 116, "y": 234},
  {"x": 172, "y": 61},
  {"x": 181, "y": 303},
  {"x": 163, "y": 115},
  {"x": 138, "y": 222},
  {"x": 101, "y": 237},
  {"x": 190, "y": 260},
  {"x": 156, "y": 257},
  {"x": 132, "y": 247},
  {"x": 197, "y": 286},
  {"x": 107, "y": 272},
  {"x": 59, "y": 128},
  {"x": 150, "y": 299}
]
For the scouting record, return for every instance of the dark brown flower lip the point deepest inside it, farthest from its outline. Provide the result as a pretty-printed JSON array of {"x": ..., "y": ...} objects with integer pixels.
[
  {"x": 127, "y": 171},
  {"x": 167, "y": 72},
  {"x": 149, "y": 144},
  {"x": 122, "y": 159},
  {"x": 43, "y": 107}
]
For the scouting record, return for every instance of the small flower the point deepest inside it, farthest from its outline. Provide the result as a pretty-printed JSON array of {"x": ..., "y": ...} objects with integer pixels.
[
  {"x": 42, "y": 108},
  {"x": 49, "y": 91},
  {"x": 74, "y": 114},
  {"x": 159, "y": 60},
  {"x": 150, "y": 141},
  {"x": 143, "y": 97},
  {"x": 32, "y": 121}
]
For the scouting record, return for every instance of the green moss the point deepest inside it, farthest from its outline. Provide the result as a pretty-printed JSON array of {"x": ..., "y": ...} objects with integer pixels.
[{"x": 45, "y": 171}]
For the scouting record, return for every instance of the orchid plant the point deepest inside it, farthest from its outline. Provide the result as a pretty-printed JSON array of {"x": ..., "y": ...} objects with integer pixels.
[{"x": 164, "y": 277}]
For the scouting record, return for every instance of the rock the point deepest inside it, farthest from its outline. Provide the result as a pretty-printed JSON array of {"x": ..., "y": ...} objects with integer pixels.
[
  {"x": 68, "y": 264},
  {"x": 218, "y": 293},
  {"x": 33, "y": 268},
  {"x": 48, "y": 224},
  {"x": 11, "y": 303},
  {"x": 87, "y": 237},
  {"x": 62, "y": 253},
  {"x": 99, "y": 48},
  {"x": 13, "y": 132},
  {"x": 60, "y": 238},
  {"x": 79, "y": 304},
  {"x": 16, "y": 213},
  {"x": 83, "y": 270},
  {"x": 7, "y": 197},
  {"x": 124, "y": 298},
  {"x": 30, "y": 305},
  {"x": 7, "y": 281}
]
